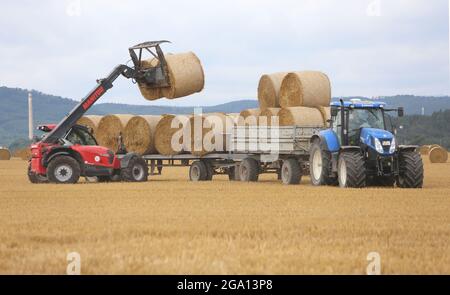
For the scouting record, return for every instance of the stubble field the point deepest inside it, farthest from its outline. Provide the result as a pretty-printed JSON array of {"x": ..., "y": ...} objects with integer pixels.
[{"x": 172, "y": 226}]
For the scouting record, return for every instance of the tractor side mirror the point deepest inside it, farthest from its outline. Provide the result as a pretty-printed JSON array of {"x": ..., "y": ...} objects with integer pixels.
[
  {"x": 401, "y": 112},
  {"x": 334, "y": 112}
]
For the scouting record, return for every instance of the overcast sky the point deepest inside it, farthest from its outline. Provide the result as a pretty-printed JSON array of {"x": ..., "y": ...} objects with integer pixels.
[{"x": 367, "y": 47}]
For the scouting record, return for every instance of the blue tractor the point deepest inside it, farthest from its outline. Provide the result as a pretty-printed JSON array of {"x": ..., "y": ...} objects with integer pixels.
[{"x": 357, "y": 150}]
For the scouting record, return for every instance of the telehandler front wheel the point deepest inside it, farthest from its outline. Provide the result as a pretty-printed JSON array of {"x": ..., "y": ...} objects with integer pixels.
[{"x": 136, "y": 171}]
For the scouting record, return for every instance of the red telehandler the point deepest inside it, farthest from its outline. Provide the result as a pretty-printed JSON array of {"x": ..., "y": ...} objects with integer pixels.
[{"x": 69, "y": 151}]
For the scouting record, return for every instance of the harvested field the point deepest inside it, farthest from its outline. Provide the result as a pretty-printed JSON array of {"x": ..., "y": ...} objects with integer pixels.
[{"x": 172, "y": 226}]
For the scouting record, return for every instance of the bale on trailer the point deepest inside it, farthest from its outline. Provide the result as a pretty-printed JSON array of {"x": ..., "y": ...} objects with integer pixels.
[
  {"x": 307, "y": 89},
  {"x": 5, "y": 154},
  {"x": 249, "y": 117},
  {"x": 139, "y": 134},
  {"x": 326, "y": 114},
  {"x": 438, "y": 155},
  {"x": 269, "y": 90},
  {"x": 208, "y": 133},
  {"x": 91, "y": 122},
  {"x": 109, "y": 129},
  {"x": 185, "y": 74},
  {"x": 168, "y": 127},
  {"x": 269, "y": 116},
  {"x": 301, "y": 116}
]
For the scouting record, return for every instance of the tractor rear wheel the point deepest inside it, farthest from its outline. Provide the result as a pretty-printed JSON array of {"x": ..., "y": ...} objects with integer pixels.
[
  {"x": 319, "y": 165},
  {"x": 36, "y": 178},
  {"x": 249, "y": 170},
  {"x": 410, "y": 170},
  {"x": 198, "y": 171},
  {"x": 291, "y": 173},
  {"x": 136, "y": 171},
  {"x": 63, "y": 170},
  {"x": 351, "y": 170}
]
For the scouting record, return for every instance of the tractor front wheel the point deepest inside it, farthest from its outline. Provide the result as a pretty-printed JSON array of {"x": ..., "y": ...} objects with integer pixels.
[
  {"x": 410, "y": 170},
  {"x": 351, "y": 170}
]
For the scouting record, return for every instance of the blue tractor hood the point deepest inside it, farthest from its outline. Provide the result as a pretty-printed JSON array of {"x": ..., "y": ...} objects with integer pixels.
[{"x": 368, "y": 136}]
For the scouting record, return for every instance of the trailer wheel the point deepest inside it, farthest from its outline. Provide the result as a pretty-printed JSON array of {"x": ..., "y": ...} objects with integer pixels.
[
  {"x": 351, "y": 170},
  {"x": 249, "y": 170},
  {"x": 233, "y": 173},
  {"x": 136, "y": 171},
  {"x": 291, "y": 172},
  {"x": 198, "y": 171},
  {"x": 63, "y": 170},
  {"x": 410, "y": 170},
  {"x": 209, "y": 170},
  {"x": 36, "y": 178},
  {"x": 319, "y": 166}
]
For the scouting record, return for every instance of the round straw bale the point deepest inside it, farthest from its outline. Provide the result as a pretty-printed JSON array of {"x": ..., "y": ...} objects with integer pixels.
[
  {"x": 269, "y": 90},
  {"x": 138, "y": 134},
  {"x": 249, "y": 117},
  {"x": 438, "y": 155},
  {"x": 168, "y": 127},
  {"x": 269, "y": 116},
  {"x": 308, "y": 89},
  {"x": 301, "y": 116},
  {"x": 424, "y": 149},
  {"x": 90, "y": 121},
  {"x": 24, "y": 154},
  {"x": 109, "y": 128},
  {"x": 5, "y": 154},
  {"x": 186, "y": 75},
  {"x": 326, "y": 114},
  {"x": 208, "y": 133}
]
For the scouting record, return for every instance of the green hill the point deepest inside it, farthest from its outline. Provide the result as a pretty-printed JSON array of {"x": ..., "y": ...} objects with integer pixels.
[{"x": 50, "y": 109}]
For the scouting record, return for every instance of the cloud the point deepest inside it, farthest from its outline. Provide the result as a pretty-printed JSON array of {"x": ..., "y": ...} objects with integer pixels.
[{"x": 49, "y": 46}]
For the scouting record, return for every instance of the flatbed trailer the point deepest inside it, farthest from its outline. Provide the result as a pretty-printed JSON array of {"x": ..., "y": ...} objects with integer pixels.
[{"x": 252, "y": 151}]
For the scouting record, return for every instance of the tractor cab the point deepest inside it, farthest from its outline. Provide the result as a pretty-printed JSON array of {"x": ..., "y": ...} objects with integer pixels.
[
  {"x": 77, "y": 135},
  {"x": 365, "y": 124}
]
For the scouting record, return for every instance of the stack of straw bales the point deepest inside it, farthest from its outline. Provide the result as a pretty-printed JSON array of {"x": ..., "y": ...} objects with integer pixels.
[
  {"x": 139, "y": 134},
  {"x": 5, "y": 154},
  {"x": 295, "y": 98},
  {"x": 185, "y": 73},
  {"x": 171, "y": 128},
  {"x": 109, "y": 129},
  {"x": 90, "y": 121}
]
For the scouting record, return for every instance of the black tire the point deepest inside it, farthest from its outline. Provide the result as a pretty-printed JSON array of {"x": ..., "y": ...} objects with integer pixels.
[
  {"x": 198, "y": 171},
  {"x": 36, "y": 178},
  {"x": 351, "y": 170},
  {"x": 322, "y": 161},
  {"x": 63, "y": 170},
  {"x": 209, "y": 170},
  {"x": 291, "y": 172},
  {"x": 233, "y": 173},
  {"x": 410, "y": 170},
  {"x": 136, "y": 171},
  {"x": 249, "y": 170}
]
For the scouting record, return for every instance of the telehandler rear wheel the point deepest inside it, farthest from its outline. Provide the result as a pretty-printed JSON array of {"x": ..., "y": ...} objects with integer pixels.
[{"x": 136, "y": 171}]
